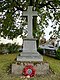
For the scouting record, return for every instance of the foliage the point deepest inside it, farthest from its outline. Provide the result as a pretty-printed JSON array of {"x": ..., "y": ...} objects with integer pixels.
[
  {"x": 13, "y": 48},
  {"x": 9, "y": 48},
  {"x": 3, "y": 48},
  {"x": 10, "y": 12},
  {"x": 43, "y": 40},
  {"x": 40, "y": 50},
  {"x": 58, "y": 53}
]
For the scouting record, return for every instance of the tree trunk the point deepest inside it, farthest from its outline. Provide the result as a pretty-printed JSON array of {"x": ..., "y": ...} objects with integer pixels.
[
  {"x": 34, "y": 26},
  {"x": 34, "y": 30},
  {"x": 31, "y": 2},
  {"x": 37, "y": 42}
]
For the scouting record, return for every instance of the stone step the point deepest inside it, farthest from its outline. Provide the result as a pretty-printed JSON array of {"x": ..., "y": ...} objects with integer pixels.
[
  {"x": 29, "y": 58},
  {"x": 30, "y": 54}
]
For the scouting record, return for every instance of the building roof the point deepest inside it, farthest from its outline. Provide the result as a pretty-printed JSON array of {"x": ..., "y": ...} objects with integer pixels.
[{"x": 49, "y": 47}]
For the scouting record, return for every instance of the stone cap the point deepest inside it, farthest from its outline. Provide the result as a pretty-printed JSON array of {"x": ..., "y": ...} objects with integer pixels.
[{"x": 34, "y": 39}]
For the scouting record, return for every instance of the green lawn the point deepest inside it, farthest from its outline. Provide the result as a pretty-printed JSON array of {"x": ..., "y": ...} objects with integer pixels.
[{"x": 6, "y": 60}]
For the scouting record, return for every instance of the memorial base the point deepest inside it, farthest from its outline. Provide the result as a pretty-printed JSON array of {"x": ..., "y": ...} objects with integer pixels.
[
  {"x": 42, "y": 68},
  {"x": 30, "y": 56},
  {"x": 29, "y": 52}
]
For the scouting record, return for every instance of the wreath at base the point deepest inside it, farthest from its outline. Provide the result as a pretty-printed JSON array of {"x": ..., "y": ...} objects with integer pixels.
[{"x": 29, "y": 70}]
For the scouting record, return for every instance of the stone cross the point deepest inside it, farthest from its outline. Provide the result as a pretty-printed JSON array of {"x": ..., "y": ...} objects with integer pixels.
[{"x": 29, "y": 13}]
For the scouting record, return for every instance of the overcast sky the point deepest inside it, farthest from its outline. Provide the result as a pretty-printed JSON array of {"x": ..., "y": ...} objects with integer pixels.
[{"x": 47, "y": 30}]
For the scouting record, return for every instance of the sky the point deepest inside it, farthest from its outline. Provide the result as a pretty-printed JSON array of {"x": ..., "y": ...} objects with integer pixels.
[{"x": 47, "y": 30}]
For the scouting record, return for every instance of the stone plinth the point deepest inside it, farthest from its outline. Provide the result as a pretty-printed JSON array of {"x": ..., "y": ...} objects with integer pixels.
[
  {"x": 29, "y": 52},
  {"x": 41, "y": 68},
  {"x": 29, "y": 45},
  {"x": 29, "y": 58}
]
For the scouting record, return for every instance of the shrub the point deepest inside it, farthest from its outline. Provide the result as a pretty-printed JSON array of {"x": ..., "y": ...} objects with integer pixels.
[
  {"x": 9, "y": 48},
  {"x": 3, "y": 48},
  {"x": 13, "y": 48},
  {"x": 58, "y": 53},
  {"x": 40, "y": 50}
]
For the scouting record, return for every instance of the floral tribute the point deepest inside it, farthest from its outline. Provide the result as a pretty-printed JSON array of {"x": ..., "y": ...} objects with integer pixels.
[{"x": 29, "y": 70}]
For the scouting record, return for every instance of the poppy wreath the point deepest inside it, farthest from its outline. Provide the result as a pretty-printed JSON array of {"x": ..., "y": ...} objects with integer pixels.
[{"x": 29, "y": 70}]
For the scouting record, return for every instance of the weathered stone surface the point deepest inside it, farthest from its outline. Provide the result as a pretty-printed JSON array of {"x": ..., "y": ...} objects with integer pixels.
[
  {"x": 29, "y": 45},
  {"x": 41, "y": 68},
  {"x": 29, "y": 13},
  {"x": 29, "y": 52},
  {"x": 29, "y": 58}
]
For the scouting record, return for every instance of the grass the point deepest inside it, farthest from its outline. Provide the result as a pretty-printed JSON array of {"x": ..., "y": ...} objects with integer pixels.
[
  {"x": 6, "y": 60},
  {"x": 54, "y": 64}
]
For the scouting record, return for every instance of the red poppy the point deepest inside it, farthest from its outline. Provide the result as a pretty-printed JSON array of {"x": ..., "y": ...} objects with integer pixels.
[{"x": 29, "y": 70}]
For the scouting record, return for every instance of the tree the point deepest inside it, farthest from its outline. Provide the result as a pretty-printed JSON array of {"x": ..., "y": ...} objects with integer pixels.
[
  {"x": 10, "y": 11},
  {"x": 42, "y": 41}
]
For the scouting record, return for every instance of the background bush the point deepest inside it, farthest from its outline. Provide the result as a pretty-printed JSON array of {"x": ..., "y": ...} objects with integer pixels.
[
  {"x": 9, "y": 48},
  {"x": 40, "y": 50},
  {"x": 12, "y": 48},
  {"x": 58, "y": 53}
]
